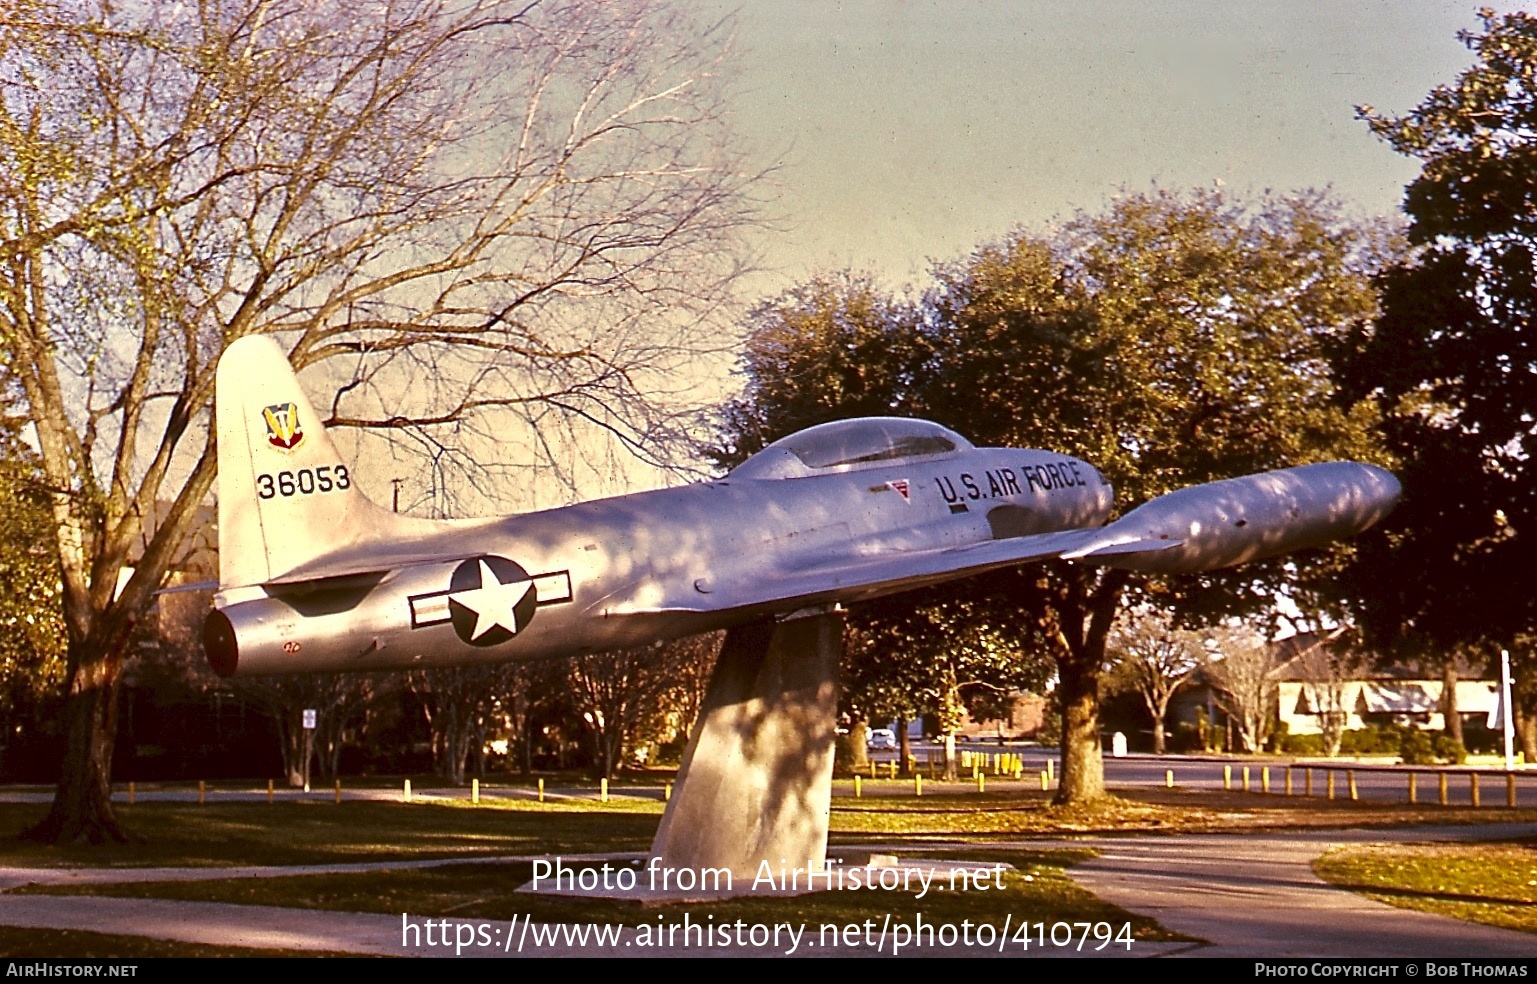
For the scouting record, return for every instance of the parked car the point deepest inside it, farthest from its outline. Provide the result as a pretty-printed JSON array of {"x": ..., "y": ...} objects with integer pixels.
[{"x": 881, "y": 738}]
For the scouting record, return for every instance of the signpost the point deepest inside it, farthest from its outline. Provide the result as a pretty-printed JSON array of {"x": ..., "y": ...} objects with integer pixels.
[{"x": 309, "y": 743}]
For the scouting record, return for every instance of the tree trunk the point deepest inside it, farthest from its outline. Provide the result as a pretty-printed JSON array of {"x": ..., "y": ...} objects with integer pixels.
[
  {"x": 1523, "y": 695},
  {"x": 1083, "y": 767},
  {"x": 905, "y": 748},
  {"x": 82, "y": 802},
  {"x": 855, "y": 756},
  {"x": 1158, "y": 739},
  {"x": 1453, "y": 720},
  {"x": 526, "y": 747},
  {"x": 1085, "y": 620},
  {"x": 293, "y": 757},
  {"x": 952, "y": 763}
]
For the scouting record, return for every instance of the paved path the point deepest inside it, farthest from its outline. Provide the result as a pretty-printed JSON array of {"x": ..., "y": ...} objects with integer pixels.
[
  {"x": 1256, "y": 895},
  {"x": 1249, "y": 895}
]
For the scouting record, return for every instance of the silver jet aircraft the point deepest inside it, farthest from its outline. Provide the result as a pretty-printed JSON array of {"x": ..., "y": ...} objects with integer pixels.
[{"x": 313, "y": 576}]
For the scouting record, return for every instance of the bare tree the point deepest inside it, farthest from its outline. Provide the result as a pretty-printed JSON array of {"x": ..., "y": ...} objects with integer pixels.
[
  {"x": 517, "y": 217},
  {"x": 460, "y": 702},
  {"x": 632, "y": 695},
  {"x": 1328, "y": 663},
  {"x": 1242, "y": 668},
  {"x": 337, "y": 700},
  {"x": 1156, "y": 659}
]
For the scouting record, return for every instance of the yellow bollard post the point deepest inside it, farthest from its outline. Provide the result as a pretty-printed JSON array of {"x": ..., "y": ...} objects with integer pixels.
[
  {"x": 603, "y": 790},
  {"x": 202, "y": 788},
  {"x": 857, "y": 777},
  {"x": 1414, "y": 792},
  {"x": 541, "y": 790},
  {"x": 1264, "y": 779},
  {"x": 1443, "y": 789},
  {"x": 1246, "y": 778},
  {"x": 872, "y": 768},
  {"x": 1510, "y": 790},
  {"x": 269, "y": 790},
  {"x": 338, "y": 791},
  {"x": 1227, "y": 777},
  {"x": 893, "y": 768},
  {"x": 1288, "y": 780},
  {"x": 1309, "y": 771},
  {"x": 130, "y": 794},
  {"x": 1350, "y": 777},
  {"x": 1051, "y": 769},
  {"x": 1330, "y": 774},
  {"x": 666, "y": 792},
  {"x": 408, "y": 791},
  {"x": 1168, "y": 778},
  {"x": 1045, "y": 781},
  {"x": 1473, "y": 789},
  {"x": 917, "y": 784},
  {"x": 475, "y": 791},
  {"x": 981, "y": 782}
]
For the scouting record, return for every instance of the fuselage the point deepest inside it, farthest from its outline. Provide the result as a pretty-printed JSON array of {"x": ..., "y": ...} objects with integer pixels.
[{"x": 627, "y": 570}]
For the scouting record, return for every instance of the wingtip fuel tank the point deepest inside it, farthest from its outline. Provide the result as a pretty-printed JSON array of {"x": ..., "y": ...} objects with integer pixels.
[{"x": 1222, "y": 524}]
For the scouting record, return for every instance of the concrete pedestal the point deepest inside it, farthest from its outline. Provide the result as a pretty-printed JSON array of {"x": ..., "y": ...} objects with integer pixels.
[{"x": 756, "y": 780}]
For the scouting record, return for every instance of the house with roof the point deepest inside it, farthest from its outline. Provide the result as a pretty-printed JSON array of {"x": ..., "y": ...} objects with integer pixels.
[{"x": 1316, "y": 681}]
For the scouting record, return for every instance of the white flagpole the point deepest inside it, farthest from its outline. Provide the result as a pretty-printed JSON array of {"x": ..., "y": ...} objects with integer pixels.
[{"x": 1509, "y": 715}]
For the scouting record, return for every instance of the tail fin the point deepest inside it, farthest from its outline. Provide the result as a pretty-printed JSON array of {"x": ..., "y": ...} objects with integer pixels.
[{"x": 286, "y": 497}]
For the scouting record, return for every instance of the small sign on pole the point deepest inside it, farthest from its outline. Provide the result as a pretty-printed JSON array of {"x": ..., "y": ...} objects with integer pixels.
[{"x": 309, "y": 743}]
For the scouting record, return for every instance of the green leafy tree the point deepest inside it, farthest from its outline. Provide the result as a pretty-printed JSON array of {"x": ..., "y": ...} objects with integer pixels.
[
  {"x": 31, "y": 629},
  {"x": 1171, "y": 340},
  {"x": 832, "y": 348},
  {"x": 1452, "y": 362}
]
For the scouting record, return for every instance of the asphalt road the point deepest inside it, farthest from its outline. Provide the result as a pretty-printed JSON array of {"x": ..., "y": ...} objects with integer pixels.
[{"x": 1373, "y": 780}]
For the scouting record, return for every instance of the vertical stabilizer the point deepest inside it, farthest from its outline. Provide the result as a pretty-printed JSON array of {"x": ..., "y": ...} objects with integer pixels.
[{"x": 286, "y": 498}]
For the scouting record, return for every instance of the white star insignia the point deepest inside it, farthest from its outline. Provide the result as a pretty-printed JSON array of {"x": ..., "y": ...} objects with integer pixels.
[{"x": 493, "y": 602}]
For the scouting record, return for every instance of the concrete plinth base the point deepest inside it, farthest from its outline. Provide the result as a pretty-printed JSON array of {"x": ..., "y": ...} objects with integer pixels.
[{"x": 756, "y": 779}]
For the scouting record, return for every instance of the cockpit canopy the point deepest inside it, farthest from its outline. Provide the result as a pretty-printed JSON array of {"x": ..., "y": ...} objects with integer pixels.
[{"x": 852, "y": 445}]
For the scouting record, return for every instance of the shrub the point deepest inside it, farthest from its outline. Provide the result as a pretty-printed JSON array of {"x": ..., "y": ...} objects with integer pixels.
[
  {"x": 1303, "y": 744},
  {"x": 1449, "y": 749},
  {"x": 1417, "y": 749}
]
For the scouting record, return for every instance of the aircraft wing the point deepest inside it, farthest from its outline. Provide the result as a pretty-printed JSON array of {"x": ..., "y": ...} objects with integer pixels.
[{"x": 855, "y": 578}]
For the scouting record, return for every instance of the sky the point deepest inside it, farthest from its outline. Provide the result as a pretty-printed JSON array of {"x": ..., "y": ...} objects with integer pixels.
[
  {"x": 900, "y": 133},
  {"x": 908, "y": 131}
]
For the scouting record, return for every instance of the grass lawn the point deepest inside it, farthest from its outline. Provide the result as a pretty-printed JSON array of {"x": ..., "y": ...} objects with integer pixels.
[
  {"x": 1494, "y": 883},
  {"x": 952, "y": 824},
  {"x": 310, "y": 832}
]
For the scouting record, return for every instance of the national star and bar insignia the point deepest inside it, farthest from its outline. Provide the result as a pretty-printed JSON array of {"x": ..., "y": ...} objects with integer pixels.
[{"x": 490, "y": 600}]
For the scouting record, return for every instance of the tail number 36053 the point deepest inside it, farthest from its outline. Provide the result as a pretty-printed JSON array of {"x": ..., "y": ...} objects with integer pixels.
[{"x": 305, "y": 481}]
